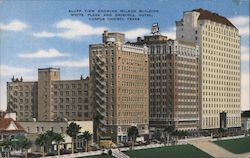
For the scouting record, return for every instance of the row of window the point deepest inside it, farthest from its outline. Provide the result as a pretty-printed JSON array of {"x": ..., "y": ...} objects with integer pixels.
[
  {"x": 26, "y": 87},
  {"x": 67, "y": 93},
  {"x": 215, "y": 121},
  {"x": 71, "y": 107},
  {"x": 220, "y": 41},
  {"x": 69, "y": 86},
  {"x": 205, "y": 99},
  {"x": 213, "y": 111},
  {"x": 68, "y": 100},
  {"x": 220, "y": 28},
  {"x": 71, "y": 114},
  {"x": 220, "y": 83}
]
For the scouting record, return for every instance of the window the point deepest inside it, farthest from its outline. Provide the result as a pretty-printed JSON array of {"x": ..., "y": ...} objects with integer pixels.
[
  {"x": 79, "y": 114},
  {"x": 86, "y": 107},
  {"x": 79, "y": 107},
  {"x": 86, "y": 100},
  {"x": 37, "y": 129},
  {"x": 86, "y": 114},
  {"x": 79, "y": 100}
]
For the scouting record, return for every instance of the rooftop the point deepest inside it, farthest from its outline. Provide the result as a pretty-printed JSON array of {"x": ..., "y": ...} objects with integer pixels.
[{"x": 208, "y": 15}]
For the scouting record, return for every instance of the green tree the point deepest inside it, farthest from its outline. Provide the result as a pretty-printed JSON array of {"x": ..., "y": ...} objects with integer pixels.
[
  {"x": 7, "y": 145},
  {"x": 86, "y": 135},
  {"x": 72, "y": 130},
  {"x": 132, "y": 134},
  {"x": 167, "y": 133},
  {"x": 23, "y": 143},
  {"x": 51, "y": 136},
  {"x": 58, "y": 139},
  {"x": 42, "y": 140}
]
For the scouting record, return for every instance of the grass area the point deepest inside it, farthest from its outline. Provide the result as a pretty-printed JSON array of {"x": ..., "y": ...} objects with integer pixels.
[
  {"x": 99, "y": 156},
  {"x": 237, "y": 146},
  {"x": 180, "y": 151}
]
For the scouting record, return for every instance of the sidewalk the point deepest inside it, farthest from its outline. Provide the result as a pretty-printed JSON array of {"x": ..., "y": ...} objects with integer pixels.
[{"x": 214, "y": 150}]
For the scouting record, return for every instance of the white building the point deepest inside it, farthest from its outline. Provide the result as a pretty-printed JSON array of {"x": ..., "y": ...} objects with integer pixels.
[
  {"x": 220, "y": 80},
  {"x": 33, "y": 129}
]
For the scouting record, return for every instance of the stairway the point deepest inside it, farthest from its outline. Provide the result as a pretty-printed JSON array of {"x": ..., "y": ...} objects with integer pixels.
[{"x": 117, "y": 153}]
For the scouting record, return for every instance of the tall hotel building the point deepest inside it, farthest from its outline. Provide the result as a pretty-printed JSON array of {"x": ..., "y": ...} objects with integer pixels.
[
  {"x": 173, "y": 71},
  {"x": 219, "y": 63},
  {"x": 119, "y": 86},
  {"x": 49, "y": 98}
]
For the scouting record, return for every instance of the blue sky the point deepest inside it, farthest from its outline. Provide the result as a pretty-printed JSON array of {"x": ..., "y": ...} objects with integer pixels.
[{"x": 41, "y": 33}]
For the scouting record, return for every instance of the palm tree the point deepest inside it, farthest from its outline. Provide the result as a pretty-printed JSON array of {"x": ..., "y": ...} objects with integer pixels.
[
  {"x": 72, "y": 130},
  {"x": 133, "y": 133},
  {"x": 58, "y": 138},
  {"x": 7, "y": 144},
  {"x": 42, "y": 141},
  {"x": 23, "y": 143},
  {"x": 168, "y": 130},
  {"x": 51, "y": 136},
  {"x": 86, "y": 135}
]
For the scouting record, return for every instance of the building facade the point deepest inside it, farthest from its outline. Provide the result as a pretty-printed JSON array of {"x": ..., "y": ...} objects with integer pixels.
[
  {"x": 22, "y": 99},
  {"x": 173, "y": 83},
  {"x": 33, "y": 129},
  {"x": 219, "y": 63},
  {"x": 49, "y": 99},
  {"x": 119, "y": 86}
]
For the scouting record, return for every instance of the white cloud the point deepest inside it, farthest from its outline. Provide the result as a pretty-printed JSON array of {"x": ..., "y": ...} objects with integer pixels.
[
  {"x": 6, "y": 70},
  {"x": 51, "y": 53},
  {"x": 245, "y": 53},
  {"x": 245, "y": 91},
  {"x": 242, "y": 23},
  {"x": 72, "y": 63},
  {"x": 71, "y": 29},
  {"x": 14, "y": 25},
  {"x": 44, "y": 34},
  {"x": 170, "y": 33},
  {"x": 134, "y": 33},
  {"x": 140, "y": 32}
]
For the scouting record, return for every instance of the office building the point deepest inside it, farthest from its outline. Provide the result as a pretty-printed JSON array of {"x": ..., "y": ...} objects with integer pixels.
[
  {"x": 173, "y": 83},
  {"x": 219, "y": 66},
  {"x": 119, "y": 86}
]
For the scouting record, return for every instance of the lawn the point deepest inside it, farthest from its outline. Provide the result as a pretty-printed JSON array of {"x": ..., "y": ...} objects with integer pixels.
[
  {"x": 180, "y": 151},
  {"x": 237, "y": 146},
  {"x": 99, "y": 156}
]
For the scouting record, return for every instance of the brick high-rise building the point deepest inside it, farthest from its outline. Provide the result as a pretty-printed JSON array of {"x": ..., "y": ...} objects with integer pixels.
[
  {"x": 119, "y": 86},
  {"x": 49, "y": 98},
  {"x": 219, "y": 63},
  {"x": 173, "y": 83}
]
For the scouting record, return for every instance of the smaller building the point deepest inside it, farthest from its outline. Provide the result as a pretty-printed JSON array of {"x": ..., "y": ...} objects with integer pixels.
[
  {"x": 35, "y": 128},
  {"x": 245, "y": 120},
  {"x": 9, "y": 128}
]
